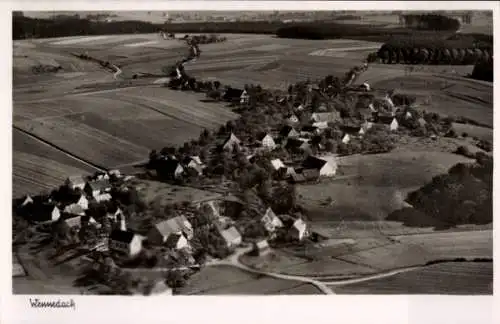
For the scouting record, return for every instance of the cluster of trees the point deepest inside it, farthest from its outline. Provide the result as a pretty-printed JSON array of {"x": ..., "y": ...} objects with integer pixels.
[
  {"x": 208, "y": 39},
  {"x": 460, "y": 50},
  {"x": 462, "y": 196}
]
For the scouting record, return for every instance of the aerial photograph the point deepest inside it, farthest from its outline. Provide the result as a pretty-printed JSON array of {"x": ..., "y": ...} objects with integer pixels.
[{"x": 252, "y": 153}]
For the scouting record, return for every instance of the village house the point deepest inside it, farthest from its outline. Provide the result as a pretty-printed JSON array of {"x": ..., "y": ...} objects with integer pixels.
[
  {"x": 298, "y": 231},
  {"x": 97, "y": 187},
  {"x": 80, "y": 200},
  {"x": 328, "y": 117},
  {"x": 270, "y": 221},
  {"x": 194, "y": 163},
  {"x": 285, "y": 173},
  {"x": 309, "y": 130},
  {"x": 390, "y": 121},
  {"x": 296, "y": 144},
  {"x": 266, "y": 141},
  {"x": 288, "y": 132},
  {"x": 76, "y": 223},
  {"x": 327, "y": 166},
  {"x": 113, "y": 213},
  {"x": 26, "y": 201},
  {"x": 115, "y": 173},
  {"x": 277, "y": 164},
  {"x": 161, "y": 231},
  {"x": 231, "y": 143},
  {"x": 47, "y": 213},
  {"x": 75, "y": 182},
  {"x": 234, "y": 95},
  {"x": 74, "y": 209},
  {"x": 231, "y": 236},
  {"x": 125, "y": 242},
  {"x": 346, "y": 138},
  {"x": 244, "y": 97},
  {"x": 321, "y": 125},
  {"x": 421, "y": 122},
  {"x": 172, "y": 168},
  {"x": 365, "y": 86},
  {"x": 261, "y": 248},
  {"x": 176, "y": 241}
]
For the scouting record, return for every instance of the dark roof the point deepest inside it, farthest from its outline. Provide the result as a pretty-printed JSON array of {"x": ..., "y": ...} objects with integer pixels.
[
  {"x": 233, "y": 93},
  {"x": 309, "y": 128},
  {"x": 169, "y": 165},
  {"x": 385, "y": 119},
  {"x": 349, "y": 129},
  {"x": 297, "y": 178},
  {"x": 286, "y": 130},
  {"x": 122, "y": 236},
  {"x": 47, "y": 208},
  {"x": 293, "y": 143},
  {"x": 261, "y": 136},
  {"x": 172, "y": 239},
  {"x": 312, "y": 162}
]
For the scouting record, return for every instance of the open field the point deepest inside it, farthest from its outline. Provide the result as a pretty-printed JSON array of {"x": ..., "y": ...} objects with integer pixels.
[
  {"x": 369, "y": 189},
  {"x": 165, "y": 194},
  {"x": 457, "y": 278},
  {"x": 223, "y": 280}
]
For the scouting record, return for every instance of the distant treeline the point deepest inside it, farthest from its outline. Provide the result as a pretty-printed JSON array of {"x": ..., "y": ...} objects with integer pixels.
[
  {"x": 25, "y": 27},
  {"x": 431, "y": 22}
]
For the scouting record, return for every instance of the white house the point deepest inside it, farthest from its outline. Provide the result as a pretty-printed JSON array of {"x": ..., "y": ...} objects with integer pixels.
[
  {"x": 299, "y": 108},
  {"x": 81, "y": 201},
  {"x": 394, "y": 125},
  {"x": 27, "y": 201},
  {"x": 277, "y": 164},
  {"x": 231, "y": 142},
  {"x": 261, "y": 248},
  {"x": 74, "y": 182},
  {"x": 177, "y": 225},
  {"x": 267, "y": 141},
  {"x": 321, "y": 125},
  {"x": 372, "y": 108},
  {"x": 408, "y": 115},
  {"x": 125, "y": 242},
  {"x": 231, "y": 236},
  {"x": 177, "y": 241},
  {"x": 346, "y": 139},
  {"x": 298, "y": 231},
  {"x": 289, "y": 132},
  {"x": 102, "y": 197},
  {"x": 366, "y": 86},
  {"x": 76, "y": 222},
  {"x": 114, "y": 213},
  {"x": 194, "y": 162},
  {"x": 244, "y": 97},
  {"x": 74, "y": 209},
  {"x": 97, "y": 187},
  {"x": 327, "y": 166},
  {"x": 270, "y": 221}
]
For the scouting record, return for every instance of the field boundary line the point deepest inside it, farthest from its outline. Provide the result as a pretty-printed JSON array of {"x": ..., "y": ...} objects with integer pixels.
[{"x": 88, "y": 163}]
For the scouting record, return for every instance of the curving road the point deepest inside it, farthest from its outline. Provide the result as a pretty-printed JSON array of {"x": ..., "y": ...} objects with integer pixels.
[{"x": 233, "y": 260}]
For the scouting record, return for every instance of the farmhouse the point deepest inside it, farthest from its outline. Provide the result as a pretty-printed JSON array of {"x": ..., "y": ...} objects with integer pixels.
[
  {"x": 233, "y": 94},
  {"x": 388, "y": 120},
  {"x": 177, "y": 225},
  {"x": 270, "y": 221},
  {"x": 295, "y": 144},
  {"x": 327, "y": 117},
  {"x": 309, "y": 130},
  {"x": 171, "y": 168},
  {"x": 298, "y": 231},
  {"x": 76, "y": 223},
  {"x": 103, "y": 197},
  {"x": 261, "y": 248},
  {"x": 288, "y": 131},
  {"x": 277, "y": 164},
  {"x": 244, "y": 97},
  {"x": 176, "y": 241},
  {"x": 125, "y": 242},
  {"x": 321, "y": 125},
  {"x": 266, "y": 141},
  {"x": 97, "y": 187},
  {"x": 47, "y": 212},
  {"x": 81, "y": 201},
  {"x": 421, "y": 122},
  {"x": 231, "y": 143},
  {"x": 194, "y": 163},
  {"x": 327, "y": 167},
  {"x": 115, "y": 173},
  {"x": 365, "y": 86},
  {"x": 74, "y": 209},
  {"x": 74, "y": 182},
  {"x": 113, "y": 213},
  {"x": 346, "y": 138},
  {"x": 231, "y": 236},
  {"x": 26, "y": 201}
]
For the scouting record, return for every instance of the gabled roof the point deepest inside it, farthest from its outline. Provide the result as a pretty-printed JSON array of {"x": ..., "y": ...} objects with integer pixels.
[
  {"x": 47, "y": 208},
  {"x": 99, "y": 185},
  {"x": 233, "y": 93},
  {"x": 312, "y": 162},
  {"x": 170, "y": 165},
  {"x": 74, "y": 209},
  {"x": 385, "y": 118},
  {"x": 173, "y": 225},
  {"x": 299, "y": 224},
  {"x": 122, "y": 236},
  {"x": 262, "y": 135},
  {"x": 277, "y": 164},
  {"x": 172, "y": 239},
  {"x": 232, "y": 139},
  {"x": 73, "y": 222},
  {"x": 309, "y": 128},
  {"x": 230, "y": 234},
  {"x": 294, "y": 143},
  {"x": 326, "y": 116},
  {"x": 286, "y": 130},
  {"x": 76, "y": 198}
]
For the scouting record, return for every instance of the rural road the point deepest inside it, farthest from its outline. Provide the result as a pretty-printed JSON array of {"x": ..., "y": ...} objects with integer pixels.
[
  {"x": 372, "y": 277},
  {"x": 233, "y": 260}
]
